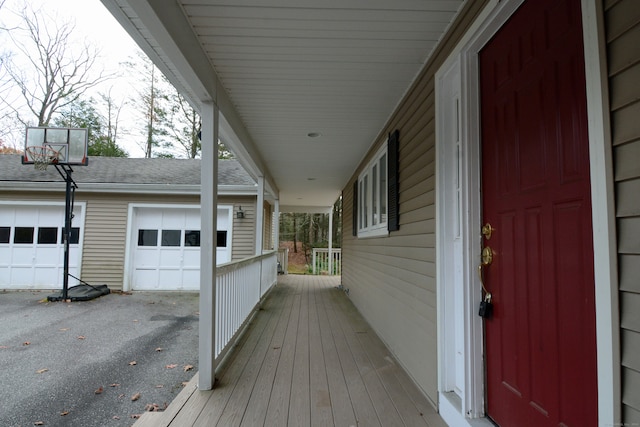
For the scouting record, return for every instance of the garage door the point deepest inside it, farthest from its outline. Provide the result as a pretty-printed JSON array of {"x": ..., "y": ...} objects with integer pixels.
[
  {"x": 166, "y": 243},
  {"x": 32, "y": 246}
]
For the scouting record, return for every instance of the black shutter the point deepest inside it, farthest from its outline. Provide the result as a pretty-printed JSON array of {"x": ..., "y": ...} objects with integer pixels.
[
  {"x": 355, "y": 208},
  {"x": 393, "y": 154}
]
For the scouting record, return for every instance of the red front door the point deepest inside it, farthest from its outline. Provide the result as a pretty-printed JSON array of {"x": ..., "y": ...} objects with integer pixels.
[{"x": 540, "y": 342}]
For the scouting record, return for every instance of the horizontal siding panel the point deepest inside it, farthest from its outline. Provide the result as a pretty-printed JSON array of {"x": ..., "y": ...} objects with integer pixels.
[
  {"x": 628, "y": 235},
  {"x": 629, "y": 267},
  {"x": 624, "y": 51},
  {"x": 623, "y": 17},
  {"x": 627, "y": 161},
  {"x": 621, "y": 89},
  {"x": 628, "y": 198},
  {"x": 630, "y": 387},
  {"x": 630, "y": 312},
  {"x": 630, "y": 415},
  {"x": 623, "y": 123},
  {"x": 631, "y": 349}
]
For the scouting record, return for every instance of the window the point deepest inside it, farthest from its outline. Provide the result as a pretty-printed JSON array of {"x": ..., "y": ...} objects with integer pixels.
[
  {"x": 5, "y": 234},
  {"x": 47, "y": 235},
  {"x": 192, "y": 238},
  {"x": 23, "y": 235},
  {"x": 221, "y": 239},
  {"x": 147, "y": 237},
  {"x": 171, "y": 237},
  {"x": 372, "y": 197}
]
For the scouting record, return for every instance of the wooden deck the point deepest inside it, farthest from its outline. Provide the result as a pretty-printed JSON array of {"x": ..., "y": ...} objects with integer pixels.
[{"x": 307, "y": 359}]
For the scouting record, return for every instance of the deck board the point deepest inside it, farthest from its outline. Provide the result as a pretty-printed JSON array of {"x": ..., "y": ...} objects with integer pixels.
[{"x": 307, "y": 359}]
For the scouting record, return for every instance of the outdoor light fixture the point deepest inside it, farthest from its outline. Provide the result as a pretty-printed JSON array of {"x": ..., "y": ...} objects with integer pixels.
[{"x": 240, "y": 213}]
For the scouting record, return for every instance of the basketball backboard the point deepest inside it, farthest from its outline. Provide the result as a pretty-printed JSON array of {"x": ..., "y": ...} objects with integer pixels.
[{"x": 70, "y": 144}]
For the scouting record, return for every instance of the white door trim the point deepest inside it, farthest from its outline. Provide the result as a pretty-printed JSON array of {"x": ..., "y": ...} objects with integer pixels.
[{"x": 468, "y": 408}]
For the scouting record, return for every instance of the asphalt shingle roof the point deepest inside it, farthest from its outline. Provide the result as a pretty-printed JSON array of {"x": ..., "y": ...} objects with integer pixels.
[{"x": 122, "y": 170}]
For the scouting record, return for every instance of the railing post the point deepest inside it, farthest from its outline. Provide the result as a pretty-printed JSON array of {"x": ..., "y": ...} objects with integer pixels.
[{"x": 313, "y": 261}]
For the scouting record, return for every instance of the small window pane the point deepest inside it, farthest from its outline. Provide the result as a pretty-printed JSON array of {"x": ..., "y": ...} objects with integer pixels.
[
  {"x": 222, "y": 239},
  {"x": 192, "y": 238},
  {"x": 365, "y": 198},
  {"x": 74, "y": 238},
  {"x": 147, "y": 237},
  {"x": 23, "y": 235},
  {"x": 171, "y": 237},
  {"x": 374, "y": 195},
  {"x": 5, "y": 233},
  {"x": 383, "y": 189},
  {"x": 47, "y": 235}
]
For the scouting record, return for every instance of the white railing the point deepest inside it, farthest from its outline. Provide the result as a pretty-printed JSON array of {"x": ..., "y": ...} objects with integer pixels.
[
  {"x": 283, "y": 259},
  {"x": 239, "y": 287},
  {"x": 321, "y": 261}
]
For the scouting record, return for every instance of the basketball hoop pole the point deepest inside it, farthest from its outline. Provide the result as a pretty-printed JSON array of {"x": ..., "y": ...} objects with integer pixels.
[{"x": 68, "y": 218}]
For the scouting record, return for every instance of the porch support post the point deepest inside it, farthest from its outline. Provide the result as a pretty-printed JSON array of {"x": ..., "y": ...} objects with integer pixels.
[
  {"x": 260, "y": 216},
  {"x": 208, "y": 234},
  {"x": 276, "y": 226},
  {"x": 330, "y": 265}
]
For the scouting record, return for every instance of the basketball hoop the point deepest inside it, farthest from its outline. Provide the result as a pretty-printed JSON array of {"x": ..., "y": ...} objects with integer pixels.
[{"x": 42, "y": 156}]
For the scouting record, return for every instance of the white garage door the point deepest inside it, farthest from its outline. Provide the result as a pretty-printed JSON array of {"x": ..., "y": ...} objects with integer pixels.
[
  {"x": 166, "y": 242},
  {"x": 32, "y": 246}
]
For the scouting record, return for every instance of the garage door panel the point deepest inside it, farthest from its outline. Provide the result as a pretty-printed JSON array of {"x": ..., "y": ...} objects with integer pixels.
[
  {"x": 176, "y": 257},
  {"x": 170, "y": 258},
  {"x": 31, "y": 247},
  {"x": 191, "y": 259}
]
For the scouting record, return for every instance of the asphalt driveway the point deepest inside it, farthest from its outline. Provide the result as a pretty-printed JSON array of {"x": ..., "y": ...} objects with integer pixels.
[{"x": 83, "y": 363}]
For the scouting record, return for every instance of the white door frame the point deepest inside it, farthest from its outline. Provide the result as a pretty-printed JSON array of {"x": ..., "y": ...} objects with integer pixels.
[{"x": 466, "y": 406}]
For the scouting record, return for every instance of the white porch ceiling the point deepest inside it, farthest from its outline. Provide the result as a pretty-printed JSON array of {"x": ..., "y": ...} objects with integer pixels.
[{"x": 281, "y": 69}]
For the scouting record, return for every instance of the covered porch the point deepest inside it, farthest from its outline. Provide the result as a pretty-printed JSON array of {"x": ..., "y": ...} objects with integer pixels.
[{"x": 307, "y": 358}]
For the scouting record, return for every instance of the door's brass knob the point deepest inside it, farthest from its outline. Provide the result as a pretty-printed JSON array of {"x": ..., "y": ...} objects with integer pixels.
[{"x": 486, "y": 256}]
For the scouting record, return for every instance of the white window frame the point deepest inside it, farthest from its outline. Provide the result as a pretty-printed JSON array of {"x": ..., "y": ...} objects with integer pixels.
[{"x": 372, "y": 222}]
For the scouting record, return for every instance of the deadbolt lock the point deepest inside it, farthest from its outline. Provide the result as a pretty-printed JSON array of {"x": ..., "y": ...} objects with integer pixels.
[
  {"x": 487, "y": 255},
  {"x": 487, "y": 230}
]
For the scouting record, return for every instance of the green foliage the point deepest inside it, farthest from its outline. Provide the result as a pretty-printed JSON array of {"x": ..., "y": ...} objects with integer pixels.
[{"x": 83, "y": 114}]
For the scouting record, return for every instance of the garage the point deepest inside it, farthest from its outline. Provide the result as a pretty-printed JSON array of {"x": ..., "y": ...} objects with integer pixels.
[
  {"x": 165, "y": 242},
  {"x": 32, "y": 245}
]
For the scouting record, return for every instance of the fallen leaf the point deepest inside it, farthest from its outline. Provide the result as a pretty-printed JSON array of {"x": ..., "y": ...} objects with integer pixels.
[
  {"x": 4, "y": 346},
  {"x": 159, "y": 349},
  {"x": 41, "y": 371},
  {"x": 38, "y": 423},
  {"x": 81, "y": 337},
  {"x": 135, "y": 320},
  {"x": 115, "y": 417},
  {"x": 99, "y": 390},
  {"x": 188, "y": 368},
  {"x": 64, "y": 329},
  {"x": 172, "y": 366},
  {"x": 62, "y": 414},
  {"x": 120, "y": 396},
  {"x": 133, "y": 363},
  {"x": 184, "y": 383},
  {"x": 152, "y": 407},
  {"x": 275, "y": 348},
  {"x": 114, "y": 385},
  {"x": 135, "y": 416},
  {"x": 160, "y": 386},
  {"x": 135, "y": 397},
  {"x": 26, "y": 343}
]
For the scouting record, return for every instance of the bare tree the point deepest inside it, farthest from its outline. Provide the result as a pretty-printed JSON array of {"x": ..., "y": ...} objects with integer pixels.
[
  {"x": 48, "y": 68},
  {"x": 112, "y": 118},
  {"x": 186, "y": 126}
]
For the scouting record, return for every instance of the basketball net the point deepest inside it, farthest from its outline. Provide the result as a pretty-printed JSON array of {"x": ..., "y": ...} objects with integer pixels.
[{"x": 42, "y": 156}]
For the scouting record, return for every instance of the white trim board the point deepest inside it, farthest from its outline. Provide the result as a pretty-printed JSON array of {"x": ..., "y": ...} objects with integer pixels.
[{"x": 466, "y": 407}]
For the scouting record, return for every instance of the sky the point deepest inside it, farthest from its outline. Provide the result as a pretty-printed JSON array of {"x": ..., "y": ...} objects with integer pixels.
[{"x": 95, "y": 24}]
